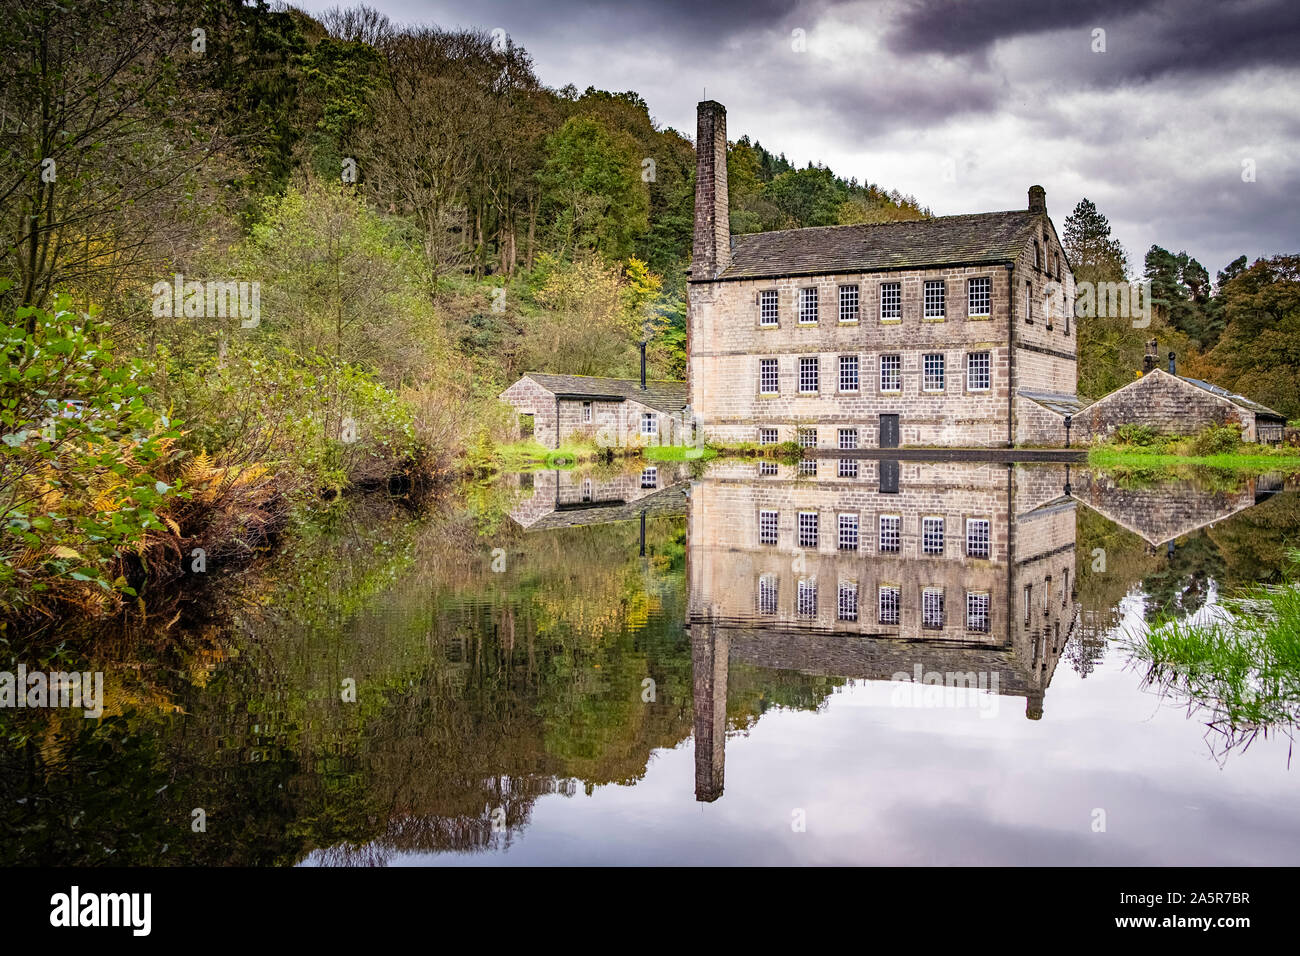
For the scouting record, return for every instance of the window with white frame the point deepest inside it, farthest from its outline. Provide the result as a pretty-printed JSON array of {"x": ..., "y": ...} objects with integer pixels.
[
  {"x": 848, "y": 468},
  {"x": 932, "y": 608},
  {"x": 932, "y": 535},
  {"x": 848, "y": 373},
  {"x": 887, "y": 604},
  {"x": 848, "y": 303},
  {"x": 586, "y": 489},
  {"x": 768, "y": 308},
  {"x": 767, "y": 594},
  {"x": 977, "y": 611},
  {"x": 1029, "y": 295},
  {"x": 977, "y": 537},
  {"x": 933, "y": 369},
  {"x": 891, "y": 301},
  {"x": 806, "y": 605},
  {"x": 808, "y": 529},
  {"x": 766, "y": 469},
  {"x": 767, "y": 527},
  {"x": 650, "y": 477},
  {"x": 769, "y": 381},
  {"x": 848, "y": 533},
  {"x": 649, "y": 425},
  {"x": 979, "y": 371},
  {"x": 891, "y": 534},
  {"x": 807, "y": 438},
  {"x": 808, "y": 306},
  {"x": 934, "y": 298},
  {"x": 808, "y": 466},
  {"x": 809, "y": 369},
  {"x": 847, "y": 605},
  {"x": 767, "y": 436},
  {"x": 586, "y": 412},
  {"x": 891, "y": 373},
  {"x": 848, "y": 438},
  {"x": 979, "y": 296}
]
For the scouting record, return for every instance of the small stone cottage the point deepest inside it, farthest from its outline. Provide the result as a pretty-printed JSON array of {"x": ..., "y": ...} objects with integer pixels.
[
  {"x": 613, "y": 412},
  {"x": 1173, "y": 404}
]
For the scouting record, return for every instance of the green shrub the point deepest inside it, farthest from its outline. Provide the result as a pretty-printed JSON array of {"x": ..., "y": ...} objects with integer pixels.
[
  {"x": 1217, "y": 440},
  {"x": 1131, "y": 433}
]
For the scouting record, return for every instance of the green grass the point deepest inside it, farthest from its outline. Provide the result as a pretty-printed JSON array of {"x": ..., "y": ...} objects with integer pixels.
[
  {"x": 678, "y": 453},
  {"x": 1139, "y": 457},
  {"x": 1244, "y": 669}
]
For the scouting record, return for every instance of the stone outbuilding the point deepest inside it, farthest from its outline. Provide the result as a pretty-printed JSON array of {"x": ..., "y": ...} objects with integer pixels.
[
  {"x": 613, "y": 412},
  {"x": 1173, "y": 404}
]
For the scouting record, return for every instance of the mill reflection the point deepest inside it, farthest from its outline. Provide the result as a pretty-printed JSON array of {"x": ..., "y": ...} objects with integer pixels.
[{"x": 955, "y": 568}]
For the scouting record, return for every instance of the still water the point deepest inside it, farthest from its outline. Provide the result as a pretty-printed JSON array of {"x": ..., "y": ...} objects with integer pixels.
[{"x": 665, "y": 667}]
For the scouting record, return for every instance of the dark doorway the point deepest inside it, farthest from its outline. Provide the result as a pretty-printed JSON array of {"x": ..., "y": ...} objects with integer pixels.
[
  {"x": 888, "y": 431},
  {"x": 888, "y": 476},
  {"x": 526, "y": 425}
]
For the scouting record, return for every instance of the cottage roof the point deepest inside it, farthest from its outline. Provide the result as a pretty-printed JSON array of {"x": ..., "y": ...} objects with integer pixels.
[
  {"x": 1058, "y": 402},
  {"x": 664, "y": 396},
  {"x": 1242, "y": 400},
  {"x": 989, "y": 237}
]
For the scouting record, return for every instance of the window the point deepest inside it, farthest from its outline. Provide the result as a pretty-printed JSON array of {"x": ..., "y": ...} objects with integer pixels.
[
  {"x": 586, "y": 489},
  {"x": 977, "y": 537},
  {"x": 808, "y": 529},
  {"x": 768, "y": 311},
  {"x": 650, "y": 477},
  {"x": 847, "y": 605},
  {"x": 891, "y": 301},
  {"x": 807, "y": 306},
  {"x": 807, "y": 438},
  {"x": 934, "y": 301},
  {"x": 767, "y": 527},
  {"x": 848, "y": 373},
  {"x": 848, "y": 468},
  {"x": 891, "y": 534},
  {"x": 769, "y": 382},
  {"x": 979, "y": 296},
  {"x": 807, "y": 603},
  {"x": 979, "y": 371},
  {"x": 848, "y": 303},
  {"x": 848, "y": 438},
  {"x": 767, "y": 436},
  {"x": 932, "y": 608},
  {"x": 933, "y": 366},
  {"x": 1065, "y": 585},
  {"x": 891, "y": 373},
  {"x": 887, "y": 604},
  {"x": 1029, "y": 601},
  {"x": 766, "y": 469},
  {"x": 1056, "y": 258},
  {"x": 809, "y": 366},
  {"x": 932, "y": 535},
  {"x": 848, "y": 532},
  {"x": 649, "y": 424},
  {"x": 586, "y": 412},
  {"x": 767, "y": 594},
  {"x": 1029, "y": 292},
  {"x": 977, "y": 611},
  {"x": 808, "y": 466}
]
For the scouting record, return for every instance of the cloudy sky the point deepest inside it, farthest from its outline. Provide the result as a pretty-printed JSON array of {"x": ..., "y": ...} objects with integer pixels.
[{"x": 1160, "y": 111}]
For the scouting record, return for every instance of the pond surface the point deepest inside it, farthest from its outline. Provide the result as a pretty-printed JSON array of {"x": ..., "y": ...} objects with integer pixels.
[{"x": 748, "y": 664}]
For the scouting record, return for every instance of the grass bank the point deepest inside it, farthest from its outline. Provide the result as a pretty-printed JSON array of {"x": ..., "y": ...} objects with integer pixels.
[{"x": 1140, "y": 448}]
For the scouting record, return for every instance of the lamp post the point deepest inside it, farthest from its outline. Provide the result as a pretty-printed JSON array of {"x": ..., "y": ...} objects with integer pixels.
[{"x": 1068, "y": 419}]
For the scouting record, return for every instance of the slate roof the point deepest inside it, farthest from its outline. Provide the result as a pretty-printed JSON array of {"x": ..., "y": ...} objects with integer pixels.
[
  {"x": 1241, "y": 400},
  {"x": 1058, "y": 402},
  {"x": 664, "y": 396},
  {"x": 989, "y": 237}
]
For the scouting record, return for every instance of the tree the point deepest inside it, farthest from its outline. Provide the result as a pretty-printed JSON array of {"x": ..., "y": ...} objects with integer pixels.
[{"x": 1094, "y": 255}]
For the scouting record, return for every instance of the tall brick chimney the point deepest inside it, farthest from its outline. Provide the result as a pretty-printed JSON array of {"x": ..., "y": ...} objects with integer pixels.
[
  {"x": 711, "y": 252},
  {"x": 1037, "y": 199}
]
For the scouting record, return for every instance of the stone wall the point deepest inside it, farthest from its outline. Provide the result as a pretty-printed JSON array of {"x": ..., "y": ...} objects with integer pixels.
[
  {"x": 612, "y": 425},
  {"x": 1165, "y": 403}
]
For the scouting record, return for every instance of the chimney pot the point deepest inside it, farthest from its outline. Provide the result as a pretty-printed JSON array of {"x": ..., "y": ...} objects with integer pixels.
[
  {"x": 1173, "y": 367},
  {"x": 1037, "y": 199}
]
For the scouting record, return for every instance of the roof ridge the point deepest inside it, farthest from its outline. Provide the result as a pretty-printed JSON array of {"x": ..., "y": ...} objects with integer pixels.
[{"x": 892, "y": 222}]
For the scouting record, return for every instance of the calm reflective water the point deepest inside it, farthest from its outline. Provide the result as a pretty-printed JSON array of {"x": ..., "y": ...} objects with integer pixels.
[{"x": 663, "y": 667}]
